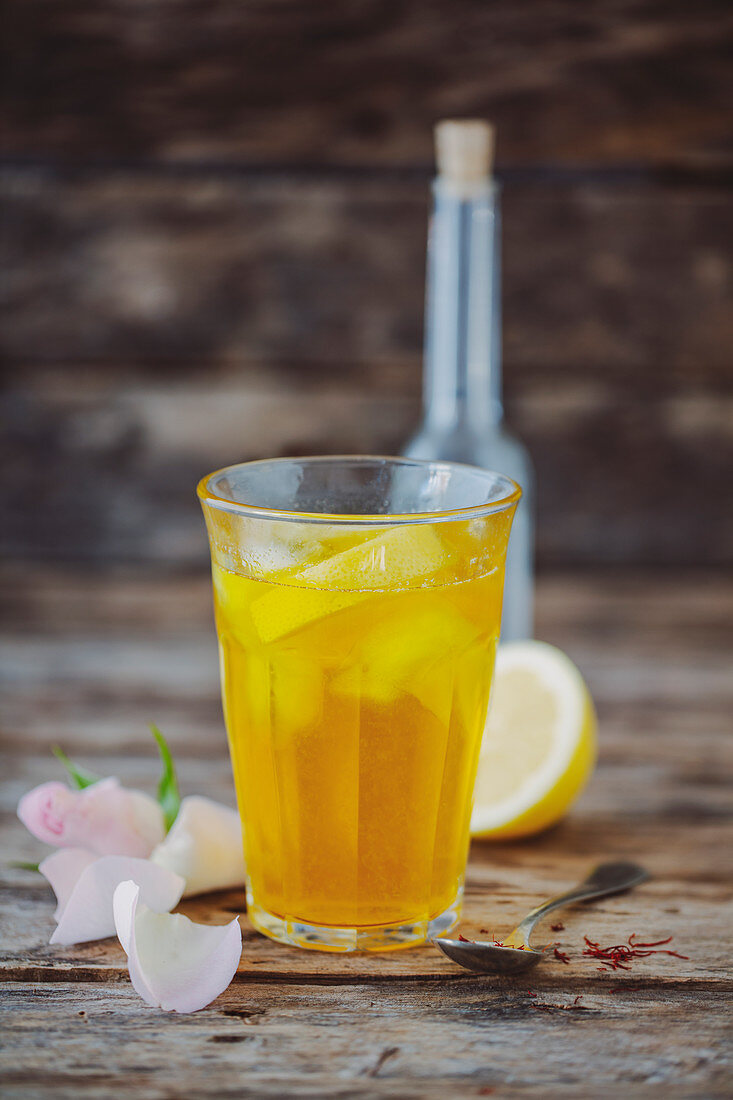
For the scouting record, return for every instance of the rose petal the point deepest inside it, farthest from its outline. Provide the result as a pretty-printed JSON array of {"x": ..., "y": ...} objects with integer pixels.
[
  {"x": 204, "y": 846},
  {"x": 86, "y": 912},
  {"x": 174, "y": 964},
  {"x": 62, "y": 870},
  {"x": 105, "y": 818}
]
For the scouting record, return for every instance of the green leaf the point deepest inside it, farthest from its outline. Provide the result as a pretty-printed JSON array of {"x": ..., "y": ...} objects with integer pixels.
[
  {"x": 80, "y": 777},
  {"x": 169, "y": 796},
  {"x": 21, "y": 865}
]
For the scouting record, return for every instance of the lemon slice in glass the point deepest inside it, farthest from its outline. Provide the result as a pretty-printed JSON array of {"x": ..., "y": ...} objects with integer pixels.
[
  {"x": 391, "y": 559},
  {"x": 539, "y": 744}
]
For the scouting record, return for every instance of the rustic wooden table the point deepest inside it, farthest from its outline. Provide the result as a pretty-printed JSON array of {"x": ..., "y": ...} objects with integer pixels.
[{"x": 87, "y": 662}]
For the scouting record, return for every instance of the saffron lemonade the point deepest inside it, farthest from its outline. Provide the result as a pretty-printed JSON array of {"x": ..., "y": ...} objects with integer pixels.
[{"x": 356, "y": 667}]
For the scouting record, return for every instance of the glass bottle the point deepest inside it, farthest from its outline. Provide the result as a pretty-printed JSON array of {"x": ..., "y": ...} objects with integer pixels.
[{"x": 463, "y": 416}]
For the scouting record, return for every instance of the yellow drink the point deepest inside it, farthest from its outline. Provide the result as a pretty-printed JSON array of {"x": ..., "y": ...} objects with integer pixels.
[{"x": 355, "y": 680}]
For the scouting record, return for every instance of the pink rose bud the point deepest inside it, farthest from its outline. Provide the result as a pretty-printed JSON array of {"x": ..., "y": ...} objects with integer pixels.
[{"x": 105, "y": 818}]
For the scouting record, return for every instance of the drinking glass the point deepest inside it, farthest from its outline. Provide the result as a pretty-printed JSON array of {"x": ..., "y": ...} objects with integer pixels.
[{"x": 358, "y": 602}]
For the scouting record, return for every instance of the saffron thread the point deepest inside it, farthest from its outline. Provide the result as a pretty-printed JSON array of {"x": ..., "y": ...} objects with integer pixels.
[{"x": 620, "y": 955}]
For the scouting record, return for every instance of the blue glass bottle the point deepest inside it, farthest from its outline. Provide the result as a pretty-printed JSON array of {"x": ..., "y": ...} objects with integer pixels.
[{"x": 463, "y": 415}]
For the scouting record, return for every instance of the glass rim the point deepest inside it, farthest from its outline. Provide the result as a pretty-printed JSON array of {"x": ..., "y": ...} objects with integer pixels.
[{"x": 507, "y": 500}]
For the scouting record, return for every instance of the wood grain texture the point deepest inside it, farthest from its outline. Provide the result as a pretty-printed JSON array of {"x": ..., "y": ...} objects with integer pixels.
[
  {"x": 161, "y": 327},
  {"x": 359, "y": 1042},
  {"x": 213, "y": 249},
  {"x": 361, "y": 82},
  {"x": 88, "y": 660},
  {"x": 122, "y": 267},
  {"x": 102, "y": 464}
]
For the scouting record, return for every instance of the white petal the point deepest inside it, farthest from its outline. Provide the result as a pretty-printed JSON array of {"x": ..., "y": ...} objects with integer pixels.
[
  {"x": 105, "y": 818},
  {"x": 88, "y": 913},
  {"x": 123, "y": 907},
  {"x": 204, "y": 846},
  {"x": 174, "y": 964},
  {"x": 62, "y": 870}
]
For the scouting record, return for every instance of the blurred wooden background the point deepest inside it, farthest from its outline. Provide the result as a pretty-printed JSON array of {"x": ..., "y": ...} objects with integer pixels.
[{"x": 214, "y": 230}]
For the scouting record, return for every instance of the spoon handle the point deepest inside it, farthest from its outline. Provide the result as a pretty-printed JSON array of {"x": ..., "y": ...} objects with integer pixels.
[{"x": 607, "y": 878}]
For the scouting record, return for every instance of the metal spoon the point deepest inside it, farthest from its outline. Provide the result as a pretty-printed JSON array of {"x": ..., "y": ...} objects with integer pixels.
[{"x": 516, "y": 954}]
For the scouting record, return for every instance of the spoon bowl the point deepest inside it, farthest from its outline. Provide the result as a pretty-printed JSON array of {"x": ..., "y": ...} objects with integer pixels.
[{"x": 487, "y": 958}]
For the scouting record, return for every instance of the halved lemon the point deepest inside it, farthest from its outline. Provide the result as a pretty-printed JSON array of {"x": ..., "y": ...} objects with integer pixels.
[{"x": 539, "y": 744}]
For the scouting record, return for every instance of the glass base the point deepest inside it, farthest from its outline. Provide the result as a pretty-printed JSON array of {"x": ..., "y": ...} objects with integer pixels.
[{"x": 321, "y": 937}]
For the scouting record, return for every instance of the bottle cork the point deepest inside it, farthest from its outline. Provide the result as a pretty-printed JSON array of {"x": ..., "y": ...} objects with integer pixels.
[{"x": 464, "y": 150}]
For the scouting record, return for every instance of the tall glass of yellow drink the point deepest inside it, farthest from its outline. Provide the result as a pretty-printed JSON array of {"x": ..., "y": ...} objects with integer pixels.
[{"x": 358, "y": 603}]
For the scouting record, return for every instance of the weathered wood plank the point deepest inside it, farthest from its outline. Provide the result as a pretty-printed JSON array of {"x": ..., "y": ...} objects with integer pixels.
[
  {"x": 90, "y": 660},
  {"x": 690, "y": 899},
  {"x": 129, "y": 639},
  {"x": 624, "y": 477},
  {"x": 123, "y": 267},
  {"x": 467, "y": 1039},
  {"x": 77, "y": 702},
  {"x": 654, "y": 612},
  {"x": 641, "y": 81}
]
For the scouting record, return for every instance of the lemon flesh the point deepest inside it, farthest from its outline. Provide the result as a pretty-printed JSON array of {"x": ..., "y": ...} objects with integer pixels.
[{"x": 539, "y": 744}]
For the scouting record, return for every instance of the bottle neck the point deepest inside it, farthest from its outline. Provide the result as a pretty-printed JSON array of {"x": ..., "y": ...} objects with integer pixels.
[{"x": 463, "y": 309}]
